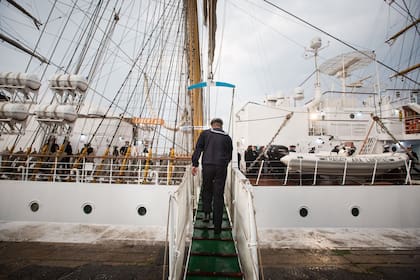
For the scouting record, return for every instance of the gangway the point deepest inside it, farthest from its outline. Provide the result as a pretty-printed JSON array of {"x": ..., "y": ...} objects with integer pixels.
[{"x": 212, "y": 256}]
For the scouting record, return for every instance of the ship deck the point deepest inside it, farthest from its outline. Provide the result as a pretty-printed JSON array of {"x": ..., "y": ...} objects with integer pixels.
[{"x": 41, "y": 260}]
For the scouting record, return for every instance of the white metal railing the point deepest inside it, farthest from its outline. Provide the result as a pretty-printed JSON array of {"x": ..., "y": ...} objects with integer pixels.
[
  {"x": 179, "y": 225},
  {"x": 91, "y": 170},
  {"x": 239, "y": 200}
]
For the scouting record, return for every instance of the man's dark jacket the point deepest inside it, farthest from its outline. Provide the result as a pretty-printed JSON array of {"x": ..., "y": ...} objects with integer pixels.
[{"x": 216, "y": 146}]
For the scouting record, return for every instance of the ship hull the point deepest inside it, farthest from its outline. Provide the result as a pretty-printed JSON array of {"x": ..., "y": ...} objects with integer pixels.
[{"x": 61, "y": 202}]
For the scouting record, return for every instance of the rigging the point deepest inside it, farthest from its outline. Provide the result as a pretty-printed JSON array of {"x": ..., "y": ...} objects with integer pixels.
[{"x": 337, "y": 39}]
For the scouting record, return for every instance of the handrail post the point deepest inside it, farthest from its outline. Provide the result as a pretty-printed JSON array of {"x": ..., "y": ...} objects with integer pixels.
[
  {"x": 139, "y": 172},
  {"x": 316, "y": 171},
  {"x": 22, "y": 170},
  {"x": 259, "y": 172},
  {"x": 155, "y": 173},
  {"x": 110, "y": 171},
  {"x": 83, "y": 170},
  {"x": 374, "y": 172},
  {"x": 300, "y": 171},
  {"x": 345, "y": 172},
  {"x": 287, "y": 173},
  {"x": 75, "y": 170},
  {"x": 26, "y": 168},
  {"x": 55, "y": 168}
]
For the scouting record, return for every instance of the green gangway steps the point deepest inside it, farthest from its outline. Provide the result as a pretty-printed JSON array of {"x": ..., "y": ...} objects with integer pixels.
[{"x": 212, "y": 256}]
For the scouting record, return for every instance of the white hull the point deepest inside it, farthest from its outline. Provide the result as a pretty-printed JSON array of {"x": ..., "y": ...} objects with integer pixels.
[
  {"x": 117, "y": 204},
  {"x": 112, "y": 204}
]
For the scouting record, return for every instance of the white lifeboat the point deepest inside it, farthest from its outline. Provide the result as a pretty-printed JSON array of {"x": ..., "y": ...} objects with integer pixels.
[
  {"x": 333, "y": 164},
  {"x": 39, "y": 111},
  {"x": 64, "y": 112},
  {"x": 14, "y": 111},
  {"x": 29, "y": 82},
  {"x": 66, "y": 81}
]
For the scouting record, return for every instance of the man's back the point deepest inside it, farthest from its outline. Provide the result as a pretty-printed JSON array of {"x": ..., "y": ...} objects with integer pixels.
[{"x": 216, "y": 146}]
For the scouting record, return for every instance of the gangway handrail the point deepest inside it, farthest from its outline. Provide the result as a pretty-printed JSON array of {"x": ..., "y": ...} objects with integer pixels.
[
  {"x": 176, "y": 232},
  {"x": 240, "y": 183}
]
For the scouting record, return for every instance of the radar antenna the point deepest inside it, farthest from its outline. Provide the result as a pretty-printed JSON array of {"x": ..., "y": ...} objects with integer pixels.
[
  {"x": 343, "y": 65},
  {"x": 315, "y": 47}
]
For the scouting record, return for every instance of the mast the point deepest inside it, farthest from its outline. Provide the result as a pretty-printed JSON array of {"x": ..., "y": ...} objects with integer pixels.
[
  {"x": 402, "y": 31},
  {"x": 20, "y": 8},
  {"x": 194, "y": 67},
  {"x": 23, "y": 48}
]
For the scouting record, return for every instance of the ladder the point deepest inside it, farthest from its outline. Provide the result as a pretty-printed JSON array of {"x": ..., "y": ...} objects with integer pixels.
[{"x": 212, "y": 256}]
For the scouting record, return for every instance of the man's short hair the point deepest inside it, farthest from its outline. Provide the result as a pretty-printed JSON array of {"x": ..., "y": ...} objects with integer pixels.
[{"x": 216, "y": 120}]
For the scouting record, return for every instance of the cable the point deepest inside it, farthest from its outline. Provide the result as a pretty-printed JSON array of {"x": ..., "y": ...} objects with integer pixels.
[{"x": 339, "y": 40}]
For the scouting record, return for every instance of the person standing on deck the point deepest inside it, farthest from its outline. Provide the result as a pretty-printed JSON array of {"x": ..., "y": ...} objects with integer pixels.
[
  {"x": 216, "y": 147},
  {"x": 412, "y": 155},
  {"x": 124, "y": 149}
]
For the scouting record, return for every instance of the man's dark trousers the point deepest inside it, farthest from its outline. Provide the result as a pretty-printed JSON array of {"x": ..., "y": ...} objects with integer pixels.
[{"x": 214, "y": 178}]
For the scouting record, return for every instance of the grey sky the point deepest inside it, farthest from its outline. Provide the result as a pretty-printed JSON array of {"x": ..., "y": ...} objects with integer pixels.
[{"x": 262, "y": 49}]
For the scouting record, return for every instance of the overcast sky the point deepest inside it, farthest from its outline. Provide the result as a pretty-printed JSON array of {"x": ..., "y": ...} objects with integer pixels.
[{"x": 261, "y": 49}]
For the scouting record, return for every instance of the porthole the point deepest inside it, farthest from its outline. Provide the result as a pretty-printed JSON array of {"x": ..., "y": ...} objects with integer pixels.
[
  {"x": 87, "y": 208},
  {"x": 355, "y": 211},
  {"x": 351, "y": 116},
  {"x": 303, "y": 212},
  {"x": 34, "y": 206},
  {"x": 141, "y": 210}
]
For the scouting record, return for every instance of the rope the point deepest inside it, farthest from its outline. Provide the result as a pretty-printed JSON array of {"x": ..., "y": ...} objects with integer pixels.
[
  {"x": 288, "y": 116},
  {"x": 125, "y": 82},
  {"x": 18, "y": 137},
  {"x": 339, "y": 40}
]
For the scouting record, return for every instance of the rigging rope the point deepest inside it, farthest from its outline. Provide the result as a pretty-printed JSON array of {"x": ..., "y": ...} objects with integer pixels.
[
  {"x": 287, "y": 118},
  {"x": 339, "y": 40},
  {"x": 122, "y": 86}
]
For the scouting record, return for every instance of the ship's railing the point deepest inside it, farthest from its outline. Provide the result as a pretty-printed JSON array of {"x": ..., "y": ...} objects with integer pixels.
[
  {"x": 401, "y": 97},
  {"x": 180, "y": 217},
  {"x": 276, "y": 173},
  {"x": 239, "y": 201},
  {"x": 112, "y": 170}
]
